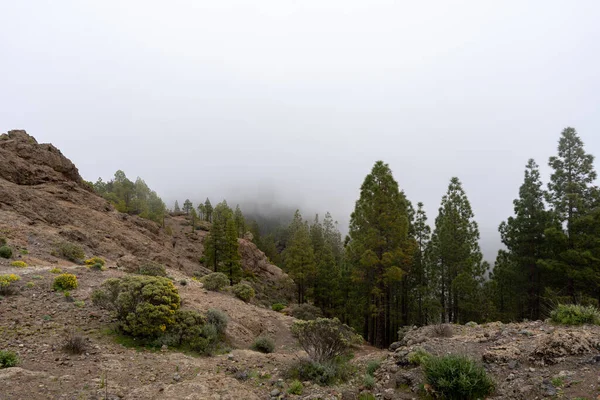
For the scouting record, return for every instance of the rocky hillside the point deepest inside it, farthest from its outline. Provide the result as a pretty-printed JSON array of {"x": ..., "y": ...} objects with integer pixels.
[{"x": 44, "y": 201}]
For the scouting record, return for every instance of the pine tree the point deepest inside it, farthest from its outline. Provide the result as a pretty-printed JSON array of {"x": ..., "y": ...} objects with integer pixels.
[
  {"x": 240, "y": 222},
  {"x": 208, "y": 210},
  {"x": 231, "y": 258},
  {"x": 201, "y": 211},
  {"x": 216, "y": 247},
  {"x": 176, "y": 208},
  {"x": 299, "y": 256},
  {"x": 572, "y": 196},
  {"x": 421, "y": 233},
  {"x": 187, "y": 206},
  {"x": 193, "y": 216},
  {"x": 379, "y": 251},
  {"x": 524, "y": 237},
  {"x": 457, "y": 257}
]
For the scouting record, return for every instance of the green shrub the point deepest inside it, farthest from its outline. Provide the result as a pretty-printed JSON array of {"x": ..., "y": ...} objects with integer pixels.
[
  {"x": 366, "y": 396},
  {"x": 278, "y": 307},
  {"x": 455, "y": 377},
  {"x": 574, "y": 314},
  {"x": 95, "y": 260},
  {"x": 8, "y": 359},
  {"x": 29, "y": 285},
  {"x": 7, "y": 286},
  {"x": 190, "y": 329},
  {"x": 152, "y": 269},
  {"x": 324, "y": 339},
  {"x": 70, "y": 251},
  {"x": 19, "y": 264},
  {"x": 218, "y": 319},
  {"x": 418, "y": 356},
  {"x": 306, "y": 312},
  {"x": 143, "y": 305},
  {"x": 373, "y": 366},
  {"x": 79, "y": 303},
  {"x": 215, "y": 281},
  {"x": 368, "y": 381},
  {"x": 65, "y": 282},
  {"x": 295, "y": 387},
  {"x": 97, "y": 267},
  {"x": 5, "y": 252},
  {"x": 243, "y": 292},
  {"x": 324, "y": 374},
  {"x": 56, "y": 270},
  {"x": 263, "y": 344}
]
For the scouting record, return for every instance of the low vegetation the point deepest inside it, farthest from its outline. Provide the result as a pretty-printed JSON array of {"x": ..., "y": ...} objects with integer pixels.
[
  {"x": 74, "y": 343},
  {"x": 8, "y": 359},
  {"x": 575, "y": 314},
  {"x": 215, "y": 281},
  {"x": 263, "y": 344},
  {"x": 456, "y": 377},
  {"x": 70, "y": 251},
  {"x": 56, "y": 270},
  {"x": 5, "y": 252},
  {"x": 7, "y": 286},
  {"x": 243, "y": 292},
  {"x": 152, "y": 269},
  {"x": 324, "y": 339},
  {"x": 65, "y": 282},
  {"x": 278, "y": 307},
  {"x": 19, "y": 264},
  {"x": 295, "y": 387},
  {"x": 95, "y": 260},
  {"x": 306, "y": 312}
]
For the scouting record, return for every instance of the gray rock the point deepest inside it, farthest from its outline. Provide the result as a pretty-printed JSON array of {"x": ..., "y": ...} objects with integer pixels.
[
  {"x": 176, "y": 377},
  {"x": 275, "y": 392},
  {"x": 513, "y": 364},
  {"x": 395, "y": 346},
  {"x": 548, "y": 388}
]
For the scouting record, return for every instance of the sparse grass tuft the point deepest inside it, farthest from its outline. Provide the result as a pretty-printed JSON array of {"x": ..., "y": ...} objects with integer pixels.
[
  {"x": 295, "y": 387},
  {"x": 8, "y": 359},
  {"x": 368, "y": 381},
  {"x": 373, "y": 366},
  {"x": 74, "y": 343}
]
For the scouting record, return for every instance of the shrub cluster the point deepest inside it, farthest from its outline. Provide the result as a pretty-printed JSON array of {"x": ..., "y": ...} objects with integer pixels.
[
  {"x": 295, "y": 388},
  {"x": 243, "y": 292},
  {"x": 147, "y": 307},
  {"x": 5, "y": 252},
  {"x": 324, "y": 374},
  {"x": 215, "y": 281},
  {"x": 8, "y": 359},
  {"x": 263, "y": 344},
  {"x": 152, "y": 269},
  {"x": 74, "y": 343},
  {"x": 278, "y": 307},
  {"x": 306, "y": 312},
  {"x": 575, "y": 314},
  {"x": 19, "y": 264},
  {"x": 6, "y": 284},
  {"x": 95, "y": 260},
  {"x": 55, "y": 270},
  {"x": 455, "y": 377},
  {"x": 324, "y": 339},
  {"x": 70, "y": 251},
  {"x": 65, "y": 282}
]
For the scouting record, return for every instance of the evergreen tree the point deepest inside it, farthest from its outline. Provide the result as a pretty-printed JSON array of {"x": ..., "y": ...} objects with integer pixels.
[
  {"x": 193, "y": 216},
  {"x": 421, "y": 275},
  {"x": 201, "y": 211},
  {"x": 457, "y": 257},
  {"x": 572, "y": 196},
  {"x": 524, "y": 237},
  {"x": 380, "y": 252},
  {"x": 187, "y": 206},
  {"x": 176, "y": 207},
  {"x": 216, "y": 247},
  {"x": 240, "y": 223},
  {"x": 299, "y": 256},
  {"x": 208, "y": 210},
  {"x": 231, "y": 257}
]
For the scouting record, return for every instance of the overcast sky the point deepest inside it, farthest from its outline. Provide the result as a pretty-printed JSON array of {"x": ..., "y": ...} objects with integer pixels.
[{"x": 293, "y": 101}]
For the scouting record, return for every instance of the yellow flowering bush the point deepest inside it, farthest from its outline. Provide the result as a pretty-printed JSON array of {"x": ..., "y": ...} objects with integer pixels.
[
  {"x": 56, "y": 270},
  {"x": 6, "y": 284},
  {"x": 65, "y": 282},
  {"x": 95, "y": 260},
  {"x": 19, "y": 264}
]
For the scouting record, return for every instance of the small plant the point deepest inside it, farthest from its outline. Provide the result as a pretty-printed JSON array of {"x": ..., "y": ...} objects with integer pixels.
[
  {"x": 24, "y": 252},
  {"x": 183, "y": 282},
  {"x": 56, "y": 270},
  {"x": 153, "y": 269},
  {"x": 215, "y": 281},
  {"x": 7, "y": 286},
  {"x": 442, "y": 330},
  {"x": 5, "y": 252},
  {"x": 324, "y": 374},
  {"x": 278, "y": 307},
  {"x": 95, "y": 260},
  {"x": 218, "y": 319},
  {"x": 366, "y": 396},
  {"x": 558, "y": 381},
  {"x": 79, "y": 303},
  {"x": 8, "y": 359},
  {"x": 373, "y": 366},
  {"x": 324, "y": 339},
  {"x": 19, "y": 264},
  {"x": 368, "y": 381},
  {"x": 29, "y": 285},
  {"x": 65, "y": 282},
  {"x": 455, "y": 377},
  {"x": 37, "y": 277},
  {"x": 46, "y": 317},
  {"x": 306, "y": 312},
  {"x": 243, "y": 292},
  {"x": 418, "y": 357},
  {"x": 295, "y": 387},
  {"x": 263, "y": 344},
  {"x": 74, "y": 343},
  {"x": 70, "y": 251},
  {"x": 575, "y": 314}
]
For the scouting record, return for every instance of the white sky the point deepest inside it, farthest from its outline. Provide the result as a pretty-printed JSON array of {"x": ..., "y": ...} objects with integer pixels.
[{"x": 293, "y": 101}]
